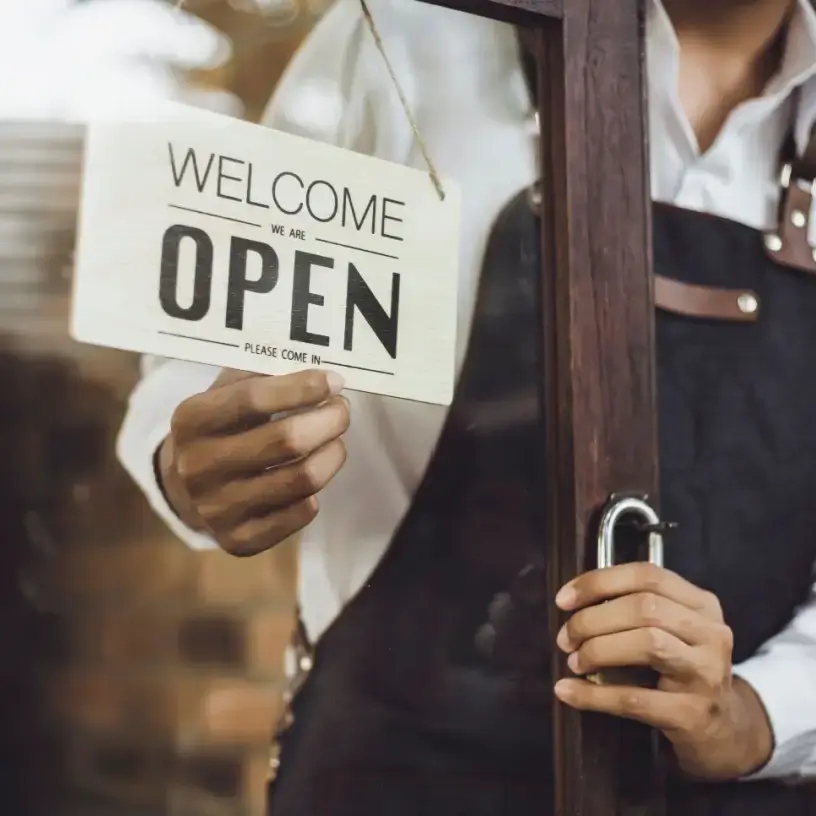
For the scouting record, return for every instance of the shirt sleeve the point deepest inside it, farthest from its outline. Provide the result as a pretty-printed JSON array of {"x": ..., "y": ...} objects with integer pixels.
[
  {"x": 783, "y": 673},
  {"x": 321, "y": 96}
]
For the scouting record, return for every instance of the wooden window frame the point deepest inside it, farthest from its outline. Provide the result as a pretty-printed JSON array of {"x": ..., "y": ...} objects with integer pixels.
[{"x": 598, "y": 383}]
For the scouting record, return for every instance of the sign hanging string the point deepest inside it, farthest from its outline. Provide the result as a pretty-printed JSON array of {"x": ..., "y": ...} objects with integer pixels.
[
  {"x": 372, "y": 26},
  {"x": 378, "y": 42}
]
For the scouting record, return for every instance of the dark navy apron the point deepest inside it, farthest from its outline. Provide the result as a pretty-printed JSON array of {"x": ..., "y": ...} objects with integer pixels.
[{"x": 430, "y": 694}]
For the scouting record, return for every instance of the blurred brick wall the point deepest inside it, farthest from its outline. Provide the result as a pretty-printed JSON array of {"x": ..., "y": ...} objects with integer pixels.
[
  {"x": 153, "y": 672},
  {"x": 137, "y": 677}
]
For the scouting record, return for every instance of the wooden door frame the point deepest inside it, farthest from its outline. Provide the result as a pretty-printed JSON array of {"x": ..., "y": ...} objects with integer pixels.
[{"x": 598, "y": 383}]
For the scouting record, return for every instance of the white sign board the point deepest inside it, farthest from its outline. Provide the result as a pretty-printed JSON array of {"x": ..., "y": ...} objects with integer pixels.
[{"x": 222, "y": 242}]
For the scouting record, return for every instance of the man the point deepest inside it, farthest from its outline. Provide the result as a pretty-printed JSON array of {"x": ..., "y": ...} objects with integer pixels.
[{"x": 420, "y": 575}]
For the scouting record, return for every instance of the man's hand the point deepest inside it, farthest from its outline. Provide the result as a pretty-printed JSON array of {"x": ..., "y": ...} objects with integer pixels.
[
  {"x": 232, "y": 468},
  {"x": 643, "y": 615}
]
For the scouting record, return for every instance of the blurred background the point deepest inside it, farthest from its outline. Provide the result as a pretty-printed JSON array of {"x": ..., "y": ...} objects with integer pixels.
[{"x": 136, "y": 677}]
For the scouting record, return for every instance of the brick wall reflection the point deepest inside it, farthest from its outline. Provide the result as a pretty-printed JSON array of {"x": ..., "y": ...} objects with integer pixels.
[
  {"x": 136, "y": 677},
  {"x": 143, "y": 674}
]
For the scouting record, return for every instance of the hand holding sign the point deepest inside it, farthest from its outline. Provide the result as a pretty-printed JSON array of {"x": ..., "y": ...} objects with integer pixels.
[{"x": 248, "y": 481}]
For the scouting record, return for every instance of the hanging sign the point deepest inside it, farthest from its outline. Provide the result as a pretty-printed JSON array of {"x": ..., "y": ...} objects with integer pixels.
[{"x": 218, "y": 241}]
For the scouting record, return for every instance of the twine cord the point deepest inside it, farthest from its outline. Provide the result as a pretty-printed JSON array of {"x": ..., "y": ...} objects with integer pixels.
[{"x": 372, "y": 27}]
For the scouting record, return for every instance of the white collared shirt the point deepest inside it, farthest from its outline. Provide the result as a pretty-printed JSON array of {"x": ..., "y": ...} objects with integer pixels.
[{"x": 475, "y": 122}]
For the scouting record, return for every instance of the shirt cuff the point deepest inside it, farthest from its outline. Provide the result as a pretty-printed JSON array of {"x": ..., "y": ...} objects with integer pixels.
[{"x": 786, "y": 685}]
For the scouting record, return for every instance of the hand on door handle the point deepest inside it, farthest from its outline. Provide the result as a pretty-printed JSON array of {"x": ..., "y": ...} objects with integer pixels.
[{"x": 652, "y": 617}]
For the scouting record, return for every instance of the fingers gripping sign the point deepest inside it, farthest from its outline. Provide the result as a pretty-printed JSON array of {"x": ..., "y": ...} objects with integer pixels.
[{"x": 245, "y": 460}]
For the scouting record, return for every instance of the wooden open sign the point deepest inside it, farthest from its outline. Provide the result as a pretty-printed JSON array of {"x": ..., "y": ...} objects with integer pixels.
[
  {"x": 268, "y": 252},
  {"x": 599, "y": 328}
]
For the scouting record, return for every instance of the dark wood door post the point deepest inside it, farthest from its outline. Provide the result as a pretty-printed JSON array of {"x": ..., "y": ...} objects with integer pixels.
[
  {"x": 599, "y": 346},
  {"x": 598, "y": 383}
]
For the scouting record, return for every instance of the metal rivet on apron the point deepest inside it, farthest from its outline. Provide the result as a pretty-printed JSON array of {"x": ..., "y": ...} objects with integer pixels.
[
  {"x": 747, "y": 303},
  {"x": 798, "y": 219},
  {"x": 289, "y": 663},
  {"x": 274, "y": 767},
  {"x": 773, "y": 242}
]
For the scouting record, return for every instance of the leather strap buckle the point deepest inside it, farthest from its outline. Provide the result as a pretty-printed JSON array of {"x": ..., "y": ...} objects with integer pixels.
[{"x": 790, "y": 244}]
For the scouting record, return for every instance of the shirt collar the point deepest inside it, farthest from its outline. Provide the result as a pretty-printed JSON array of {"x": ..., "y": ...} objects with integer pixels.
[{"x": 798, "y": 69}]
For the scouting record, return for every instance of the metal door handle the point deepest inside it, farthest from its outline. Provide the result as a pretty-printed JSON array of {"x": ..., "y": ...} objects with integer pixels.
[
  {"x": 618, "y": 508},
  {"x": 635, "y": 509}
]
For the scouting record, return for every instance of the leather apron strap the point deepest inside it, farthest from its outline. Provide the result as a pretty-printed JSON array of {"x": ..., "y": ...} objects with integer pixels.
[{"x": 790, "y": 244}]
